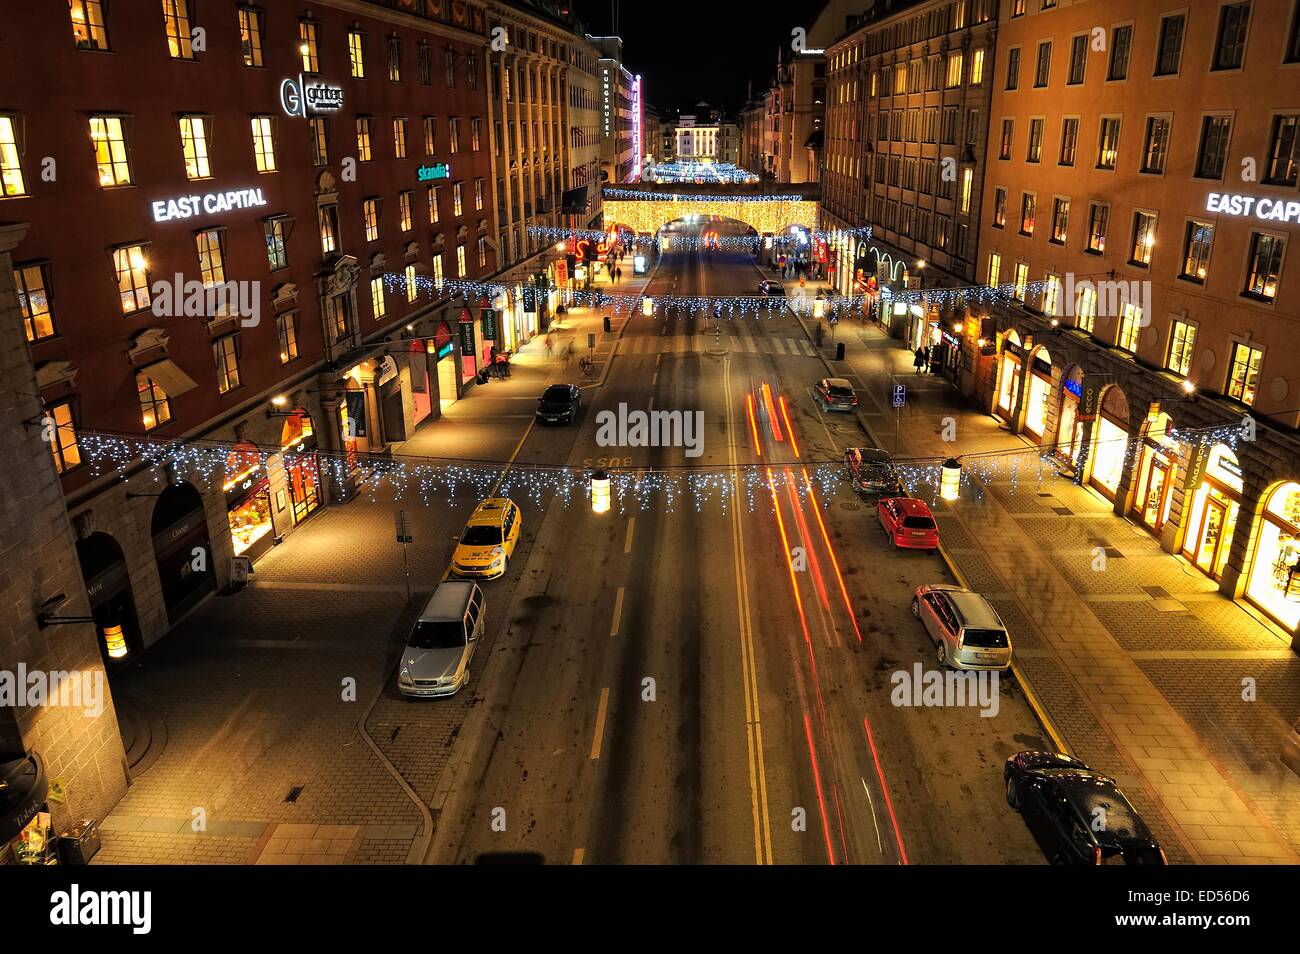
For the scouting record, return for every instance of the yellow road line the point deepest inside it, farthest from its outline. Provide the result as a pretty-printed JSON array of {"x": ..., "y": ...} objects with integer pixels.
[
  {"x": 600, "y": 723},
  {"x": 578, "y": 855},
  {"x": 631, "y": 525},
  {"x": 618, "y": 612}
]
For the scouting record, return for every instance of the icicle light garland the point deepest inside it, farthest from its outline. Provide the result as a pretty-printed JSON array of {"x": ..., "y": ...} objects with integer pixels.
[
  {"x": 549, "y": 233},
  {"x": 618, "y": 194}
]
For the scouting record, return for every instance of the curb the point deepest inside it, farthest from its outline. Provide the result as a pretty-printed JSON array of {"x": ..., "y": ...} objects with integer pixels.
[{"x": 1035, "y": 704}]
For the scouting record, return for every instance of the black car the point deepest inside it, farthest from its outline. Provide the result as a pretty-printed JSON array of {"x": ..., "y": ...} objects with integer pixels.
[
  {"x": 559, "y": 404},
  {"x": 1078, "y": 816},
  {"x": 771, "y": 289},
  {"x": 872, "y": 471}
]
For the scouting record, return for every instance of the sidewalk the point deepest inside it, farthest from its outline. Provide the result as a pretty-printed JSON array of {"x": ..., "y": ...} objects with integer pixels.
[{"x": 1137, "y": 659}]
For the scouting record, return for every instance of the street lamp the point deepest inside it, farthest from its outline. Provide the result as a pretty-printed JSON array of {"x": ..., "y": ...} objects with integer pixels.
[
  {"x": 600, "y": 492},
  {"x": 648, "y": 307},
  {"x": 950, "y": 482}
]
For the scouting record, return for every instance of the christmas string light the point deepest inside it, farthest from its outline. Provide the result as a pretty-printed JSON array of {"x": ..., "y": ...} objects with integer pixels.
[
  {"x": 549, "y": 234},
  {"x": 618, "y": 194}
]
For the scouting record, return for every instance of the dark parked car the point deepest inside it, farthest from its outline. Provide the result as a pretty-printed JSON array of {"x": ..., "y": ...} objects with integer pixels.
[
  {"x": 771, "y": 289},
  {"x": 835, "y": 394},
  {"x": 872, "y": 471},
  {"x": 559, "y": 404},
  {"x": 1077, "y": 815}
]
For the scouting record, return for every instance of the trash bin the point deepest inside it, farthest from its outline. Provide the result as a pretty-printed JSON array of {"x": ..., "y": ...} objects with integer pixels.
[
  {"x": 606, "y": 324},
  {"x": 482, "y": 376},
  {"x": 839, "y": 351},
  {"x": 79, "y": 842}
]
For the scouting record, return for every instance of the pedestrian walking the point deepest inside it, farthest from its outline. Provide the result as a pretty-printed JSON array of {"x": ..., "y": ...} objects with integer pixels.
[
  {"x": 568, "y": 354},
  {"x": 919, "y": 360},
  {"x": 618, "y": 274},
  {"x": 550, "y": 346}
]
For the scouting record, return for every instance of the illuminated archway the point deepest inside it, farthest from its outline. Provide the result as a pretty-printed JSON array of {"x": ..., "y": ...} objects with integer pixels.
[
  {"x": 1273, "y": 584},
  {"x": 646, "y": 216}
]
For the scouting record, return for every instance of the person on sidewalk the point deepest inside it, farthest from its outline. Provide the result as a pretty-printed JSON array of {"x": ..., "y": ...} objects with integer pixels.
[
  {"x": 618, "y": 274},
  {"x": 568, "y": 354},
  {"x": 550, "y": 346},
  {"x": 919, "y": 360}
]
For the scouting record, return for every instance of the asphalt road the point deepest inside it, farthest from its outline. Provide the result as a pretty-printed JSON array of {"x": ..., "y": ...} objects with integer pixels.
[{"x": 678, "y": 686}]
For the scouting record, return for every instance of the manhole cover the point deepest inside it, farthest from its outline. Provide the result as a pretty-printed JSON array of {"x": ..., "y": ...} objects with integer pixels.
[{"x": 850, "y": 505}]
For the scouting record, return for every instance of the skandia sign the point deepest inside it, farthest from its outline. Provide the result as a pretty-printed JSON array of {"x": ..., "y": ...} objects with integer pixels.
[
  {"x": 300, "y": 98},
  {"x": 439, "y": 170},
  {"x": 1265, "y": 209},
  {"x": 188, "y": 206}
]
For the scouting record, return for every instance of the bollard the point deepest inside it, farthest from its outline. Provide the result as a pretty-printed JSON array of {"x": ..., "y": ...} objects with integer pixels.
[
  {"x": 606, "y": 324},
  {"x": 839, "y": 351}
]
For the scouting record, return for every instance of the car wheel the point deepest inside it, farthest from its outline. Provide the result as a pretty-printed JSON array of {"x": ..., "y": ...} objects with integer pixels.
[
  {"x": 916, "y": 607},
  {"x": 1013, "y": 796}
]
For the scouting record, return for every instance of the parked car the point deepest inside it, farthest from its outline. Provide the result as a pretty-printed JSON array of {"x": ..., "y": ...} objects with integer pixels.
[
  {"x": 559, "y": 404},
  {"x": 967, "y": 630},
  {"x": 436, "y": 659},
  {"x": 489, "y": 539},
  {"x": 1077, "y": 815},
  {"x": 835, "y": 394},
  {"x": 872, "y": 471},
  {"x": 908, "y": 523},
  {"x": 771, "y": 289}
]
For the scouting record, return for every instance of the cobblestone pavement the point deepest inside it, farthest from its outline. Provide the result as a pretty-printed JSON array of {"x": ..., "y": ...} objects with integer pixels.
[{"x": 1138, "y": 660}]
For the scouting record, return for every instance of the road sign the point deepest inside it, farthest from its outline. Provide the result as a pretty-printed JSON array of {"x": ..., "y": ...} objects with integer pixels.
[
  {"x": 591, "y": 341},
  {"x": 900, "y": 395},
  {"x": 402, "y": 520}
]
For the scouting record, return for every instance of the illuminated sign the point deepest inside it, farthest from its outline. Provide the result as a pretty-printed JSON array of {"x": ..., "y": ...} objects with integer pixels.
[
  {"x": 636, "y": 128},
  {"x": 188, "y": 206},
  {"x": 439, "y": 170},
  {"x": 1266, "y": 209},
  {"x": 302, "y": 99}
]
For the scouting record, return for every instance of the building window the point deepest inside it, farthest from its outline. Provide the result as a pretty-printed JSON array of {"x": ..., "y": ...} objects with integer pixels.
[
  {"x": 1265, "y": 266},
  {"x": 471, "y": 70},
  {"x": 108, "y": 136},
  {"x": 1051, "y": 295},
  {"x": 478, "y": 195},
  {"x": 476, "y": 134},
  {"x": 453, "y": 139},
  {"x": 1155, "y": 150},
  {"x": 977, "y": 67},
  {"x": 276, "y": 253},
  {"x": 395, "y": 59},
  {"x": 1281, "y": 151},
  {"x": 1121, "y": 45},
  {"x": 363, "y": 139},
  {"x": 225, "y": 355},
  {"x": 967, "y": 181},
  {"x": 437, "y": 270},
  {"x": 482, "y": 253},
  {"x": 433, "y": 205},
  {"x": 89, "y": 30},
  {"x": 430, "y": 135},
  {"x": 425, "y": 64},
  {"x": 263, "y": 144},
  {"x": 286, "y": 326},
  {"x": 1043, "y": 68},
  {"x": 995, "y": 269},
  {"x": 132, "y": 277},
  {"x": 1008, "y": 132},
  {"x": 32, "y": 285},
  {"x": 461, "y": 271},
  {"x": 1130, "y": 325},
  {"x": 1034, "y": 152},
  {"x": 212, "y": 263},
  {"x": 377, "y": 301},
  {"x": 1028, "y": 206},
  {"x": 63, "y": 445},
  {"x": 307, "y": 30},
  {"x": 458, "y": 199},
  {"x": 1144, "y": 237},
  {"x": 1013, "y": 68},
  {"x": 250, "y": 35},
  {"x": 1182, "y": 339},
  {"x": 1169, "y": 47},
  {"x": 1060, "y": 219},
  {"x": 1098, "y": 218},
  {"x": 1085, "y": 307},
  {"x": 1078, "y": 59},
  {"x": 412, "y": 287},
  {"x": 1069, "y": 140},
  {"x": 1293, "y": 39},
  {"x": 176, "y": 17},
  {"x": 1230, "y": 45},
  {"x": 1021, "y": 288},
  {"x": 320, "y": 141},
  {"x": 336, "y": 317},
  {"x": 194, "y": 145},
  {"x": 404, "y": 210},
  {"x": 1108, "y": 143},
  {"x": 399, "y": 138},
  {"x": 999, "y": 207},
  {"x": 1212, "y": 155},
  {"x": 370, "y": 218},
  {"x": 1243, "y": 372},
  {"x": 954, "y": 74},
  {"x": 449, "y": 67},
  {"x": 1196, "y": 251},
  {"x": 155, "y": 410},
  {"x": 329, "y": 228},
  {"x": 357, "y": 53}
]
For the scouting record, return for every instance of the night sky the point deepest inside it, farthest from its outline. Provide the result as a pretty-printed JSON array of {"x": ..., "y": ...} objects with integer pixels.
[{"x": 702, "y": 50}]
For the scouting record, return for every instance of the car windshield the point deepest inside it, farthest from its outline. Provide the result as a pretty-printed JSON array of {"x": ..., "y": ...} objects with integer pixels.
[
  {"x": 985, "y": 638},
  {"x": 440, "y": 634},
  {"x": 481, "y": 536},
  {"x": 918, "y": 523},
  {"x": 556, "y": 395},
  {"x": 837, "y": 390}
]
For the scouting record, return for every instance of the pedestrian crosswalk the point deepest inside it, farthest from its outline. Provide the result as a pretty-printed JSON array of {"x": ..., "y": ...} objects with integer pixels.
[{"x": 742, "y": 344}]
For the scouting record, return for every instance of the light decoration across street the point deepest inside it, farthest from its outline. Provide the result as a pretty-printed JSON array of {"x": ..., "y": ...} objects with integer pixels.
[
  {"x": 637, "y": 194},
  {"x": 549, "y": 233},
  {"x": 704, "y": 172}
]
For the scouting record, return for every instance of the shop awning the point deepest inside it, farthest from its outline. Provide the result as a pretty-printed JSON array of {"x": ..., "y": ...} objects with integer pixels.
[
  {"x": 168, "y": 376},
  {"x": 23, "y": 788}
]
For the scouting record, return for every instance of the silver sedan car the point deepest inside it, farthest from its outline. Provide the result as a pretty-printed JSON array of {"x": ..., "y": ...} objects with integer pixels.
[{"x": 965, "y": 628}]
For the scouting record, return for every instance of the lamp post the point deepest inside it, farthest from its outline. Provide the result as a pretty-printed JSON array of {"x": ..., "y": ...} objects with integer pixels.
[
  {"x": 950, "y": 481},
  {"x": 600, "y": 492}
]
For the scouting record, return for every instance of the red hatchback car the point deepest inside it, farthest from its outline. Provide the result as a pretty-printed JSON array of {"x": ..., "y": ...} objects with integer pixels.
[{"x": 909, "y": 523}]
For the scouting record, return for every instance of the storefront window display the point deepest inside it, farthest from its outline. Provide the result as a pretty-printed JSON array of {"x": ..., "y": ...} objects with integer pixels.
[
  {"x": 1275, "y": 570},
  {"x": 248, "y": 501},
  {"x": 1040, "y": 386},
  {"x": 444, "y": 349},
  {"x": 1110, "y": 442},
  {"x": 1069, "y": 430},
  {"x": 1212, "y": 514},
  {"x": 298, "y": 449},
  {"x": 1009, "y": 379},
  {"x": 1156, "y": 470}
]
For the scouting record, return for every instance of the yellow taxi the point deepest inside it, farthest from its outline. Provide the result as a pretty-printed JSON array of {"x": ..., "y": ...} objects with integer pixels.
[{"x": 489, "y": 540}]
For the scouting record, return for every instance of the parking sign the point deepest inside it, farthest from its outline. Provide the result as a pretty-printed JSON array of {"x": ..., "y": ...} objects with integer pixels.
[{"x": 900, "y": 395}]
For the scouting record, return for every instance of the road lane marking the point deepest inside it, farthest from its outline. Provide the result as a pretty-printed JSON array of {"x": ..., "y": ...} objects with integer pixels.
[
  {"x": 600, "y": 723},
  {"x": 580, "y": 853},
  {"x": 872, "y": 802},
  {"x": 618, "y": 612},
  {"x": 651, "y": 405},
  {"x": 654, "y": 379},
  {"x": 631, "y": 525}
]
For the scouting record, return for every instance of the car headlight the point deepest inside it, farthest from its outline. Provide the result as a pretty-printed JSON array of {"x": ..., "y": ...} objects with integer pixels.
[{"x": 404, "y": 678}]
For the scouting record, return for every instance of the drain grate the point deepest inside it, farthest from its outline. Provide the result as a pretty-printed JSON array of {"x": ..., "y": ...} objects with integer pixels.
[
  {"x": 1159, "y": 592},
  {"x": 1063, "y": 511},
  {"x": 1114, "y": 553},
  {"x": 294, "y": 793}
]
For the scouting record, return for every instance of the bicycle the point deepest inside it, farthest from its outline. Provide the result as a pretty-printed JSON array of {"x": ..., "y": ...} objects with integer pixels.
[{"x": 588, "y": 366}]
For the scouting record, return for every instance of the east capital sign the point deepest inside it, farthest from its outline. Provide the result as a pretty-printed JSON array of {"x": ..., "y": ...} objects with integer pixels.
[
  {"x": 302, "y": 99},
  {"x": 188, "y": 206},
  {"x": 1265, "y": 209}
]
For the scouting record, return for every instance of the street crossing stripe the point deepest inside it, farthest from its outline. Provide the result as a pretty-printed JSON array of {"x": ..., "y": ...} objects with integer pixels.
[{"x": 778, "y": 346}]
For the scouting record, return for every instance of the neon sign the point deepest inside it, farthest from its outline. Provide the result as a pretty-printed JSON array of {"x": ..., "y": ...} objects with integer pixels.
[
  {"x": 1269, "y": 210},
  {"x": 302, "y": 99},
  {"x": 188, "y": 206},
  {"x": 439, "y": 170}
]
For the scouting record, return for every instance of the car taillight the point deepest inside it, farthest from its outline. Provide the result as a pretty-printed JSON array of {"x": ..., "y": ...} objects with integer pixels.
[
  {"x": 1096, "y": 855},
  {"x": 1163, "y": 859}
]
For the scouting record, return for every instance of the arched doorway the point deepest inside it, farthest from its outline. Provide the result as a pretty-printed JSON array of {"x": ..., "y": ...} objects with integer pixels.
[
  {"x": 1157, "y": 464},
  {"x": 1069, "y": 429},
  {"x": 1110, "y": 442},
  {"x": 1274, "y": 584},
  {"x": 108, "y": 588},
  {"x": 421, "y": 392},
  {"x": 1040, "y": 388},
  {"x": 445, "y": 356},
  {"x": 1009, "y": 374},
  {"x": 301, "y": 464},
  {"x": 248, "y": 500},
  {"x": 1212, "y": 502},
  {"x": 182, "y": 549}
]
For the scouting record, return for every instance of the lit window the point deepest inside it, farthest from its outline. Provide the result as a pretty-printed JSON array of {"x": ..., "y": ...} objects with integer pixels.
[
  {"x": 1085, "y": 307},
  {"x": 307, "y": 46},
  {"x": 1051, "y": 295},
  {"x": 377, "y": 301},
  {"x": 1182, "y": 339},
  {"x": 212, "y": 265},
  {"x": 286, "y": 325},
  {"x": 1060, "y": 220},
  {"x": 32, "y": 285},
  {"x": 977, "y": 67},
  {"x": 430, "y": 135},
  {"x": 329, "y": 228},
  {"x": 399, "y": 138},
  {"x": 395, "y": 59},
  {"x": 995, "y": 269},
  {"x": 11, "y": 170},
  {"x": 363, "y": 138},
  {"x": 263, "y": 144},
  {"x": 1098, "y": 217},
  {"x": 412, "y": 287},
  {"x": 478, "y": 195},
  {"x": 176, "y": 17},
  {"x": 357, "y": 53},
  {"x": 1265, "y": 265},
  {"x": 88, "y": 28},
  {"x": 437, "y": 270},
  {"x": 1028, "y": 208},
  {"x": 1021, "y": 281},
  {"x": 108, "y": 137},
  {"x": 155, "y": 410},
  {"x": 132, "y": 277},
  {"x": 1130, "y": 324},
  {"x": 63, "y": 444},
  {"x": 404, "y": 210},
  {"x": 1243, "y": 372},
  {"x": 482, "y": 253},
  {"x": 250, "y": 35},
  {"x": 460, "y": 261},
  {"x": 320, "y": 141},
  {"x": 277, "y": 255},
  {"x": 433, "y": 205},
  {"x": 1144, "y": 238},
  {"x": 1108, "y": 143},
  {"x": 225, "y": 355},
  {"x": 453, "y": 142},
  {"x": 370, "y": 217},
  {"x": 194, "y": 144},
  {"x": 457, "y": 199},
  {"x": 1196, "y": 251},
  {"x": 475, "y": 134}
]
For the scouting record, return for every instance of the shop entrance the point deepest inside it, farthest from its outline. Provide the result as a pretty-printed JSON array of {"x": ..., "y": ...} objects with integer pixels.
[
  {"x": 248, "y": 501},
  {"x": 301, "y": 466},
  {"x": 421, "y": 399},
  {"x": 1274, "y": 584},
  {"x": 1009, "y": 379},
  {"x": 182, "y": 549},
  {"x": 1212, "y": 512},
  {"x": 1069, "y": 429},
  {"x": 1156, "y": 474},
  {"x": 108, "y": 589},
  {"x": 1110, "y": 442},
  {"x": 1040, "y": 386},
  {"x": 446, "y": 357}
]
